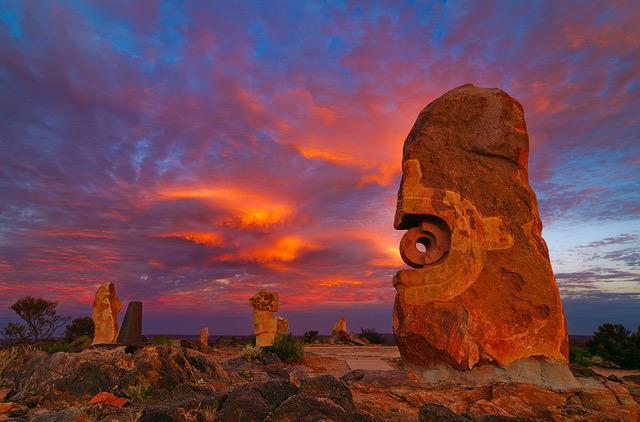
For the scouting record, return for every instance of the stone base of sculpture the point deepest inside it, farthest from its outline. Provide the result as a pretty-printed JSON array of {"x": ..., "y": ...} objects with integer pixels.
[{"x": 543, "y": 372}]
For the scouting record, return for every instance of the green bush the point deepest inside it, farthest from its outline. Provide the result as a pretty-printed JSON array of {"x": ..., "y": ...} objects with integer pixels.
[
  {"x": 162, "y": 340},
  {"x": 52, "y": 347},
  {"x": 251, "y": 353},
  {"x": 80, "y": 343},
  {"x": 139, "y": 392},
  {"x": 10, "y": 354},
  {"x": 580, "y": 356},
  {"x": 613, "y": 343},
  {"x": 287, "y": 347},
  {"x": 371, "y": 335},
  {"x": 80, "y": 327},
  {"x": 227, "y": 341},
  {"x": 310, "y": 336}
]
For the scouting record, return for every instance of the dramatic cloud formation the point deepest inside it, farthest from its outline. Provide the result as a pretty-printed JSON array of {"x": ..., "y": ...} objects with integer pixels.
[{"x": 194, "y": 153}]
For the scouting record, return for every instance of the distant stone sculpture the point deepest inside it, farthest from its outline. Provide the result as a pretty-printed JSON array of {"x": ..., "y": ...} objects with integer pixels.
[
  {"x": 265, "y": 325},
  {"x": 204, "y": 336},
  {"x": 339, "y": 330},
  {"x": 106, "y": 307},
  {"x": 282, "y": 325},
  {"x": 131, "y": 331},
  {"x": 482, "y": 291}
]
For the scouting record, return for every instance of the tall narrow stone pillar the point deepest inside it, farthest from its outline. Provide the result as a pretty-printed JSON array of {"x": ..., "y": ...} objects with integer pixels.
[
  {"x": 106, "y": 307},
  {"x": 131, "y": 331}
]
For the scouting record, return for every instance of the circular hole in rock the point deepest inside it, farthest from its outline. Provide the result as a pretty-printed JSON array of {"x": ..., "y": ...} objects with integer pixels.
[{"x": 424, "y": 244}]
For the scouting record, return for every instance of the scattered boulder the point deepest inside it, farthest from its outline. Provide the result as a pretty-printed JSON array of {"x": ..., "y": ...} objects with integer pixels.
[
  {"x": 329, "y": 387},
  {"x": 303, "y": 407},
  {"x": 4, "y": 393},
  {"x": 159, "y": 414},
  {"x": 439, "y": 413},
  {"x": 102, "y": 369},
  {"x": 244, "y": 403},
  {"x": 109, "y": 399}
]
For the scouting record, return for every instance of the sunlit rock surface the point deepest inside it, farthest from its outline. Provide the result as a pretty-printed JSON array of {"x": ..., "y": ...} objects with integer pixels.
[
  {"x": 482, "y": 290},
  {"x": 106, "y": 307}
]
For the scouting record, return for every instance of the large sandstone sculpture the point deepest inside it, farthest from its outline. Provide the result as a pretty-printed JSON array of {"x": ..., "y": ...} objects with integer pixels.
[
  {"x": 106, "y": 307},
  {"x": 482, "y": 290},
  {"x": 265, "y": 325}
]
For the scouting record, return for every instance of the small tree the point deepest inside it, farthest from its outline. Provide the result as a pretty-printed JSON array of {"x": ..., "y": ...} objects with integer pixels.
[
  {"x": 80, "y": 327},
  {"x": 40, "y": 316},
  {"x": 15, "y": 332},
  {"x": 615, "y": 344},
  {"x": 310, "y": 336}
]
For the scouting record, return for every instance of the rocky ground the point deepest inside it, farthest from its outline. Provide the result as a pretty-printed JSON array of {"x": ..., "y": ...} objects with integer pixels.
[{"x": 174, "y": 383}]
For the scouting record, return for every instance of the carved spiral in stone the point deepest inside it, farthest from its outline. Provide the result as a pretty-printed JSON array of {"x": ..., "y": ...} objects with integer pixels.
[{"x": 435, "y": 237}]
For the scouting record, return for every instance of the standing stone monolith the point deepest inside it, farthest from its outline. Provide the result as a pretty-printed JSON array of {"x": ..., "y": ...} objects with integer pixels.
[
  {"x": 282, "y": 325},
  {"x": 339, "y": 330},
  {"x": 482, "y": 293},
  {"x": 265, "y": 325},
  {"x": 204, "y": 336},
  {"x": 106, "y": 307},
  {"x": 131, "y": 331}
]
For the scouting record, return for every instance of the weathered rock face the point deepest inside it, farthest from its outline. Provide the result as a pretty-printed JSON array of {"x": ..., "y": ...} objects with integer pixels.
[
  {"x": 106, "y": 307},
  {"x": 482, "y": 290},
  {"x": 265, "y": 325}
]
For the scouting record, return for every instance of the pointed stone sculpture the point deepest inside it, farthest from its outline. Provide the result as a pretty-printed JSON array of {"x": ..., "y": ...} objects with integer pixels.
[
  {"x": 265, "y": 325},
  {"x": 339, "y": 328},
  {"x": 106, "y": 307},
  {"x": 131, "y": 331},
  {"x": 204, "y": 336},
  {"x": 482, "y": 294}
]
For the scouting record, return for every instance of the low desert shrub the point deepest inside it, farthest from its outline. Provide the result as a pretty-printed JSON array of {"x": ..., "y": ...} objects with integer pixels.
[
  {"x": 52, "y": 347},
  {"x": 162, "y": 340},
  {"x": 371, "y": 335},
  {"x": 580, "y": 356},
  {"x": 9, "y": 354},
  {"x": 310, "y": 336},
  {"x": 251, "y": 353},
  {"x": 227, "y": 341},
  {"x": 287, "y": 347},
  {"x": 81, "y": 343},
  {"x": 139, "y": 392},
  {"x": 80, "y": 327}
]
